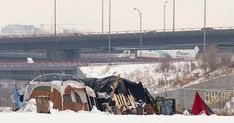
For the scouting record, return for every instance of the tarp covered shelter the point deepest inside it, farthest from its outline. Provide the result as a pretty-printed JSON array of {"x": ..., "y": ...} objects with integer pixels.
[
  {"x": 104, "y": 86},
  {"x": 64, "y": 91},
  {"x": 199, "y": 106}
]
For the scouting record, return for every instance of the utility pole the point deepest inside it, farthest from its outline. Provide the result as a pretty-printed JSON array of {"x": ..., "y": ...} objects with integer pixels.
[
  {"x": 109, "y": 37},
  {"x": 140, "y": 15},
  {"x": 102, "y": 16},
  {"x": 55, "y": 33},
  {"x": 164, "y": 16},
  {"x": 204, "y": 29},
  {"x": 173, "y": 15}
]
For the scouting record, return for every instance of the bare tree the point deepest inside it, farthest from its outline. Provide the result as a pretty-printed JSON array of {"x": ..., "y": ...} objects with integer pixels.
[
  {"x": 225, "y": 60},
  {"x": 165, "y": 66},
  {"x": 209, "y": 58}
]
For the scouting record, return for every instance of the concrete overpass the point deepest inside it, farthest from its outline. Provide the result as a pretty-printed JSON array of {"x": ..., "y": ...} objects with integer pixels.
[{"x": 68, "y": 46}]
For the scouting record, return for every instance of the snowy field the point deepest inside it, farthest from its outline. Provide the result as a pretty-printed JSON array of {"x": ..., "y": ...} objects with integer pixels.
[
  {"x": 29, "y": 115},
  {"x": 87, "y": 117}
]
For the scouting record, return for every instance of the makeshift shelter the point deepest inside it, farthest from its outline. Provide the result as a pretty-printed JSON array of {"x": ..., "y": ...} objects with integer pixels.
[
  {"x": 124, "y": 95},
  {"x": 199, "y": 106},
  {"x": 64, "y": 91}
]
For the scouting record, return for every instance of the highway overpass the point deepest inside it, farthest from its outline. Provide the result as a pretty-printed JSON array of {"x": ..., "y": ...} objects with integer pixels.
[{"x": 68, "y": 46}]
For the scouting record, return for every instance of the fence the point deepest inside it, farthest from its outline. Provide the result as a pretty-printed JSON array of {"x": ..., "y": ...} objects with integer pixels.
[
  {"x": 220, "y": 101},
  {"x": 7, "y": 98}
]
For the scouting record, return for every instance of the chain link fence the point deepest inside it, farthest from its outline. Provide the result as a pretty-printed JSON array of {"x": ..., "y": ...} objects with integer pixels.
[
  {"x": 220, "y": 101},
  {"x": 7, "y": 98}
]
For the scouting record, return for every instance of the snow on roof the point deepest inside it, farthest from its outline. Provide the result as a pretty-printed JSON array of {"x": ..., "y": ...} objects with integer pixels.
[{"x": 57, "y": 79}]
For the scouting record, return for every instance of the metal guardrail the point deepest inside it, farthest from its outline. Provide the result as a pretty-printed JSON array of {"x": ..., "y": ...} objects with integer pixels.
[{"x": 50, "y": 34}]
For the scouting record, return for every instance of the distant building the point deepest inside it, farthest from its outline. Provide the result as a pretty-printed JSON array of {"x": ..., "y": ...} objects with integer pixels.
[{"x": 17, "y": 29}]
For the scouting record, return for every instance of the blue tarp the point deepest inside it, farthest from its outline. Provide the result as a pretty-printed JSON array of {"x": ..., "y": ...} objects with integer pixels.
[{"x": 17, "y": 97}]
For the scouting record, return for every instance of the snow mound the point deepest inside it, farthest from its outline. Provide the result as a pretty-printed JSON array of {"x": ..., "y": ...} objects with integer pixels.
[
  {"x": 230, "y": 106},
  {"x": 95, "y": 110},
  {"x": 186, "y": 112},
  {"x": 5, "y": 109},
  {"x": 30, "y": 106}
]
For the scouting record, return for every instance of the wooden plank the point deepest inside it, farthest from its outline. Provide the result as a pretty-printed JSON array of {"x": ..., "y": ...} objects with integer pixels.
[
  {"x": 132, "y": 101},
  {"x": 119, "y": 101},
  {"x": 116, "y": 101},
  {"x": 115, "y": 85},
  {"x": 124, "y": 100}
]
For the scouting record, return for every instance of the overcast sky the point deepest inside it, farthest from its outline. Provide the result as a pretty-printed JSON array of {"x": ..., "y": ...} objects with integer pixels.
[{"x": 85, "y": 15}]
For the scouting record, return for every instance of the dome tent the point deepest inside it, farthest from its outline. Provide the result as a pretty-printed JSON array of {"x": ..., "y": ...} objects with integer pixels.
[{"x": 63, "y": 90}]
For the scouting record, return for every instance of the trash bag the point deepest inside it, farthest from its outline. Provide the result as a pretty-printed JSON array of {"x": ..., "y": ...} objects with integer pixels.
[{"x": 165, "y": 106}]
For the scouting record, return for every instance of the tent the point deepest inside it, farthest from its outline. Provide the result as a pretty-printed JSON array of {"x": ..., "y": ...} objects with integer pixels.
[
  {"x": 126, "y": 90},
  {"x": 200, "y": 106},
  {"x": 64, "y": 91}
]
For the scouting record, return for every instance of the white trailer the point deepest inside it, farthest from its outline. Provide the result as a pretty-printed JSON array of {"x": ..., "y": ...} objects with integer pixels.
[{"x": 171, "y": 54}]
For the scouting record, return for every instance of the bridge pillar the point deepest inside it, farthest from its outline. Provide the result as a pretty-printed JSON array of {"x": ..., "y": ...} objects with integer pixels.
[{"x": 72, "y": 54}]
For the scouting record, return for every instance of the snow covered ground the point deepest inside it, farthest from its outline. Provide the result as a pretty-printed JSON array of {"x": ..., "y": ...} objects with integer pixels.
[
  {"x": 150, "y": 74},
  {"x": 87, "y": 117},
  {"x": 29, "y": 115}
]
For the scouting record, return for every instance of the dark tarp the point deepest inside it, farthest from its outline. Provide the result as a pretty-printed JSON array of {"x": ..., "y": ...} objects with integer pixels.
[{"x": 104, "y": 85}]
